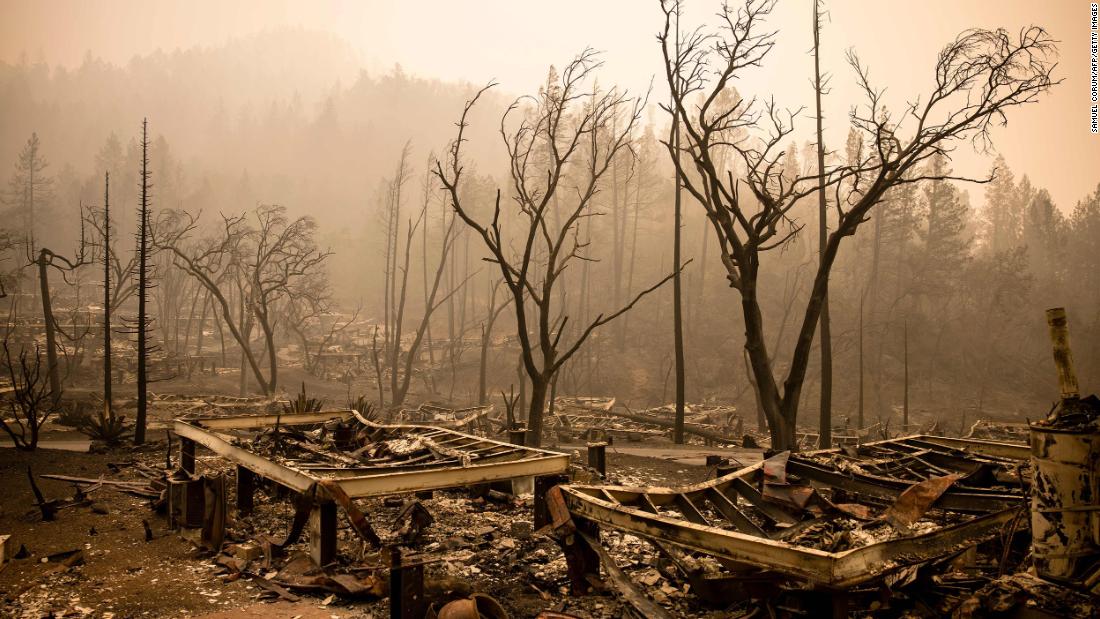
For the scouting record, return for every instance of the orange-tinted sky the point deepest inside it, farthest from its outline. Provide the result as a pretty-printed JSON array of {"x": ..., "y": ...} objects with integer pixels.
[{"x": 514, "y": 41}]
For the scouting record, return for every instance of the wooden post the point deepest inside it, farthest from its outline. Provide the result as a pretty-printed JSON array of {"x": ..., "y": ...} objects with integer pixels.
[
  {"x": 581, "y": 560},
  {"x": 725, "y": 468},
  {"x": 517, "y": 435},
  {"x": 543, "y": 484},
  {"x": 214, "y": 508},
  {"x": 187, "y": 455},
  {"x": 186, "y": 503},
  {"x": 597, "y": 457},
  {"x": 406, "y": 588},
  {"x": 322, "y": 533},
  {"x": 246, "y": 491}
]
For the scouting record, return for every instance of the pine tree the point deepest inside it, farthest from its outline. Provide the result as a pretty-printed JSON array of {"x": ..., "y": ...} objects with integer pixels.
[
  {"x": 1044, "y": 234},
  {"x": 946, "y": 244},
  {"x": 30, "y": 188},
  {"x": 1001, "y": 215}
]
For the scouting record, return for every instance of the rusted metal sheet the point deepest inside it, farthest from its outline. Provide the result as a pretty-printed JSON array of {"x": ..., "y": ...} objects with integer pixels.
[{"x": 916, "y": 500}]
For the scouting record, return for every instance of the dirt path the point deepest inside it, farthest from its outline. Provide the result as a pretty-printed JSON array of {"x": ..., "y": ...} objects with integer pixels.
[{"x": 122, "y": 575}]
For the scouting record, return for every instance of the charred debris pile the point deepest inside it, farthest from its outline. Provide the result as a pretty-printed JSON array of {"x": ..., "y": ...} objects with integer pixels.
[{"x": 407, "y": 513}]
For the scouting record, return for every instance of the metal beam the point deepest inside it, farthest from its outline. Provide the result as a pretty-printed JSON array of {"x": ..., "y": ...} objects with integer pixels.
[
  {"x": 412, "y": 481},
  {"x": 265, "y": 468},
  {"x": 244, "y": 422}
]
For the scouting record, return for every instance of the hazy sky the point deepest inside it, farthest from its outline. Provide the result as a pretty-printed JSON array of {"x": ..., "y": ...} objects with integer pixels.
[{"x": 514, "y": 41}]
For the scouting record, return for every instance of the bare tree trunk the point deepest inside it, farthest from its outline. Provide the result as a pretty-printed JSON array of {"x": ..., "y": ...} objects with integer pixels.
[
  {"x": 378, "y": 369},
  {"x": 861, "y": 373},
  {"x": 246, "y": 343},
  {"x": 424, "y": 270},
  {"x": 190, "y": 319},
  {"x": 143, "y": 291},
  {"x": 905, "y": 397},
  {"x": 633, "y": 249},
  {"x": 272, "y": 358},
  {"x": 537, "y": 405},
  {"x": 873, "y": 290},
  {"x": 522, "y": 378},
  {"x": 825, "y": 423},
  {"x": 482, "y": 391},
  {"x": 486, "y": 342},
  {"x": 221, "y": 337},
  {"x": 202, "y": 324},
  {"x": 677, "y": 306},
  {"x": 108, "y": 402},
  {"x": 50, "y": 325}
]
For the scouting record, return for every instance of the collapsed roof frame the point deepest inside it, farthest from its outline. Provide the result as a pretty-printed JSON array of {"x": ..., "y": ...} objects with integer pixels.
[
  {"x": 491, "y": 460},
  {"x": 636, "y": 510}
]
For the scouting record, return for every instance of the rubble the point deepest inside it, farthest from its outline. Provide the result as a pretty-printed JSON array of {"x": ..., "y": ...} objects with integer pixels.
[
  {"x": 823, "y": 518},
  {"x": 424, "y": 519},
  {"x": 582, "y": 417},
  {"x": 468, "y": 418}
]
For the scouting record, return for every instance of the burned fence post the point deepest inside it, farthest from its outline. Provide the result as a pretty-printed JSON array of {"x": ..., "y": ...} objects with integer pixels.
[
  {"x": 186, "y": 502},
  {"x": 725, "y": 468},
  {"x": 214, "y": 507},
  {"x": 543, "y": 484},
  {"x": 322, "y": 533},
  {"x": 187, "y": 455},
  {"x": 1065, "y": 450},
  {"x": 517, "y": 435},
  {"x": 406, "y": 587},
  {"x": 597, "y": 457},
  {"x": 246, "y": 490},
  {"x": 582, "y": 562}
]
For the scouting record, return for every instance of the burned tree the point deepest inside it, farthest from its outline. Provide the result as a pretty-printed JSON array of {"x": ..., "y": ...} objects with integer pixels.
[
  {"x": 558, "y": 153},
  {"x": 44, "y": 261},
  {"x": 32, "y": 397},
  {"x": 825, "y": 423},
  {"x": 261, "y": 263},
  {"x": 978, "y": 77},
  {"x": 305, "y": 304},
  {"x": 108, "y": 404},
  {"x": 399, "y": 361},
  {"x": 491, "y": 315},
  {"x": 141, "y": 326}
]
